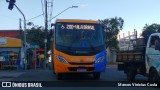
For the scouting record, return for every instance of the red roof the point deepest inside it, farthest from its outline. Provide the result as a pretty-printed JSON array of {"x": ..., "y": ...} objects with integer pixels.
[{"x": 9, "y": 33}]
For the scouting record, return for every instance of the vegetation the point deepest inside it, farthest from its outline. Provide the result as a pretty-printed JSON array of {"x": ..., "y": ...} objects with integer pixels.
[
  {"x": 149, "y": 29},
  {"x": 36, "y": 35},
  {"x": 112, "y": 27}
]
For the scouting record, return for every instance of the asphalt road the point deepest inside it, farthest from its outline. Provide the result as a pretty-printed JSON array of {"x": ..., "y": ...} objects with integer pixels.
[
  {"x": 80, "y": 82},
  {"x": 111, "y": 74}
]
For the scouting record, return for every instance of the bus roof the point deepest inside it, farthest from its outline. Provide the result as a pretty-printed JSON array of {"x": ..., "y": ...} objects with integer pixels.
[{"x": 77, "y": 21}]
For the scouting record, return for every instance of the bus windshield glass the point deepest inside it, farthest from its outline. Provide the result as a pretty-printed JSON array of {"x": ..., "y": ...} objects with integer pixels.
[{"x": 82, "y": 36}]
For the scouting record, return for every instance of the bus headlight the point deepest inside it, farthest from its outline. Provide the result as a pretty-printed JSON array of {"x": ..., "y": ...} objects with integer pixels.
[
  {"x": 100, "y": 59},
  {"x": 61, "y": 59}
]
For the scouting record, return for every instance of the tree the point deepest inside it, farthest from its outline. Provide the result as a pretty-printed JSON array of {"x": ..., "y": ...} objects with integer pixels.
[
  {"x": 35, "y": 36},
  {"x": 112, "y": 26},
  {"x": 149, "y": 29}
]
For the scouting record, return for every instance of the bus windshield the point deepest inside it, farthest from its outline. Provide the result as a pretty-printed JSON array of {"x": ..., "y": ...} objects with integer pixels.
[{"x": 79, "y": 36}]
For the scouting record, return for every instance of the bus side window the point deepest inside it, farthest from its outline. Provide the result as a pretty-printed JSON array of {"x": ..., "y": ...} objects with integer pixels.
[{"x": 104, "y": 36}]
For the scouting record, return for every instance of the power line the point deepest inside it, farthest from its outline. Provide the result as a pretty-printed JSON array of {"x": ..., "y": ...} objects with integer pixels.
[{"x": 36, "y": 17}]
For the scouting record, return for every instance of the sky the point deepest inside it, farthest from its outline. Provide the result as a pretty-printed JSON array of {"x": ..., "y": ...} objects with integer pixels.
[{"x": 135, "y": 13}]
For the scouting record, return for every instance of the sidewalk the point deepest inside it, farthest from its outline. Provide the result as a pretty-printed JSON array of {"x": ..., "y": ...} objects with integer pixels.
[
  {"x": 10, "y": 74},
  {"x": 114, "y": 65}
]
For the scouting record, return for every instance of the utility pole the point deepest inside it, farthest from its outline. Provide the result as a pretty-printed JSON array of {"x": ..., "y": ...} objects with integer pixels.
[
  {"x": 20, "y": 29},
  {"x": 45, "y": 40},
  {"x": 50, "y": 10},
  {"x": 10, "y": 6},
  {"x": 25, "y": 59}
]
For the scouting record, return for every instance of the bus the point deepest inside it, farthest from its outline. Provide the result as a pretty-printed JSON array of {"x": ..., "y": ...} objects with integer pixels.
[{"x": 78, "y": 47}]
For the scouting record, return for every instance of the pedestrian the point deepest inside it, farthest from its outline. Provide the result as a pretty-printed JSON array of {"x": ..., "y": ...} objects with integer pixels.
[{"x": 41, "y": 57}]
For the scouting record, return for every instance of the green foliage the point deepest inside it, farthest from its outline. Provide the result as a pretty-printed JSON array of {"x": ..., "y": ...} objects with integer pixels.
[
  {"x": 149, "y": 29},
  {"x": 30, "y": 24},
  {"x": 112, "y": 27},
  {"x": 36, "y": 35}
]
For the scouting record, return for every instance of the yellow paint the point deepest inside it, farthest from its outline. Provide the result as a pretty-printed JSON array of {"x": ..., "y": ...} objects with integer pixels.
[
  {"x": 11, "y": 42},
  {"x": 60, "y": 67},
  {"x": 77, "y": 21},
  {"x": 12, "y": 53},
  {"x": 63, "y": 67}
]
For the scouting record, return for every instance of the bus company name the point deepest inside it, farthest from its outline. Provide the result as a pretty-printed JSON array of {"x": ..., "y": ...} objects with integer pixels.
[{"x": 85, "y": 27}]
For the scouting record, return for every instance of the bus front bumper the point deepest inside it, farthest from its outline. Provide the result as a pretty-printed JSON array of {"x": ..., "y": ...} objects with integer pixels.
[{"x": 68, "y": 68}]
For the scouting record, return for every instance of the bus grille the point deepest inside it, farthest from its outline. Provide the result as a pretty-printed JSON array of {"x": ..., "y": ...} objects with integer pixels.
[
  {"x": 75, "y": 68},
  {"x": 91, "y": 63}
]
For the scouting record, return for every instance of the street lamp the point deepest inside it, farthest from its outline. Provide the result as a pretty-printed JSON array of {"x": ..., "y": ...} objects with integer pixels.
[
  {"x": 63, "y": 11},
  {"x": 11, "y": 5},
  {"x": 74, "y": 7},
  {"x": 25, "y": 59}
]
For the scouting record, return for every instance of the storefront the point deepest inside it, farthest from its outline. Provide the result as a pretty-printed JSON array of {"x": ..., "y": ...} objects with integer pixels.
[
  {"x": 10, "y": 52},
  {"x": 39, "y": 58}
]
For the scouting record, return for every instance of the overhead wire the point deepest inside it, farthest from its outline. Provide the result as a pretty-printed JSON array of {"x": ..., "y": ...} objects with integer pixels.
[{"x": 36, "y": 17}]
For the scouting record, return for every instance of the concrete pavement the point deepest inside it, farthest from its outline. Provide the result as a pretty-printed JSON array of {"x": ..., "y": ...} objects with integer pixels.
[{"x": 7, "y": 75}]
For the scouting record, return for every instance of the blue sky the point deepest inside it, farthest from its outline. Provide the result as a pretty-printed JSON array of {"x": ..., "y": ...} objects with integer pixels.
[{"x": 136, "y": 13}]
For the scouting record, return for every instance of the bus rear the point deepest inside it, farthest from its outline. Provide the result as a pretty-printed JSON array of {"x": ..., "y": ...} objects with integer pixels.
[{"x": 79, "y": 47}]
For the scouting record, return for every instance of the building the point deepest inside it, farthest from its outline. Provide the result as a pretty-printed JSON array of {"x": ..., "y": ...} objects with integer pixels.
[
  {"x": 10, "y": 51},
  {"x": 11, "y": 48},
  {"x": 11, "y": 33}
]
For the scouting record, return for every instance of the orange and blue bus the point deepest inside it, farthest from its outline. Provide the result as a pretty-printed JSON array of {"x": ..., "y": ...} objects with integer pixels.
[{"x": 78, "y": 47}]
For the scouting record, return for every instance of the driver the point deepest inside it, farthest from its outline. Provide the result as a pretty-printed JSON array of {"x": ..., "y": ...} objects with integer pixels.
[{"x": 157, "y": 44}]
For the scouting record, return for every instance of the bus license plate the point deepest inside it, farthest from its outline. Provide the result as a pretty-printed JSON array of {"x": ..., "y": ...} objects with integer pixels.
[{"x": 81, "y": 70}]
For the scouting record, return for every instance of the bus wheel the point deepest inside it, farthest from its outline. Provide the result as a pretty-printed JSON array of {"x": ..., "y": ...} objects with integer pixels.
[
  {"x": 59, "y": 76},
  {"x": 153, "y": 75},
  {"x": 131, "y": 76},
  {"x": 97, "y": 75},
  {"x": 54, "y": 72}
]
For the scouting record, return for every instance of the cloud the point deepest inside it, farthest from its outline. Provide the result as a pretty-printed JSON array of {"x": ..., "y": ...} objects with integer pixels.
[{"x": 84, "y": 5}]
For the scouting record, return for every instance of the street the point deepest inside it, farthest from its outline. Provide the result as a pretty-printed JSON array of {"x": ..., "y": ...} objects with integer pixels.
[
  {"x": 79, "y": 82},
  {"x": 111, "y": 74},
  {"x": 86, "y": 37}
]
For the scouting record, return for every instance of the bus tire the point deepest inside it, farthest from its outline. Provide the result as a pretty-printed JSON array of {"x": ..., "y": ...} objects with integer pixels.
[
  {"x": 54, "y": 72},
  {"x": 153, "y": 76},
  {"x": 131, "y": 75},
  {"x": 97, "y": 75},
  {"x": 59, "y": 76}
]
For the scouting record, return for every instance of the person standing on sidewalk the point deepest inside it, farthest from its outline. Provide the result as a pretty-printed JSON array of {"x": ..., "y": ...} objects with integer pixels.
[{"x": 41, "y": 57}]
